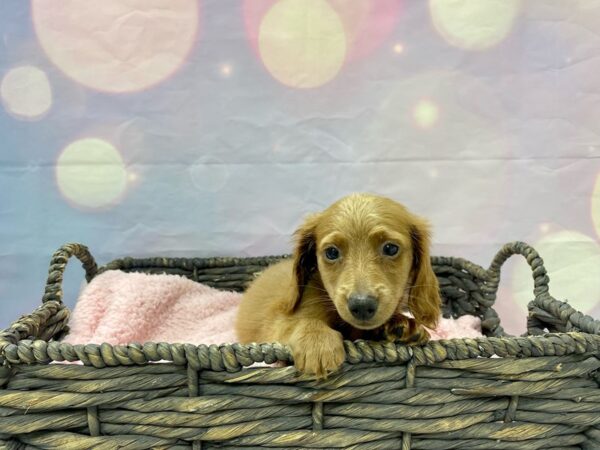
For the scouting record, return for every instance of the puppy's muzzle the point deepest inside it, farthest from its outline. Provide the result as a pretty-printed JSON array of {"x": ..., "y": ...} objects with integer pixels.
[{"x": 362, "y": 307}]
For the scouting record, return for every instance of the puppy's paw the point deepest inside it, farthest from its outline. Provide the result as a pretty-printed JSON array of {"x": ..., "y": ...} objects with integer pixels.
[
  {"x": 393, "y": 330},
  {"x": 418, "y": 337},
  {"x": 406, "y": 330},
  {"x": 318, "y": 352}
]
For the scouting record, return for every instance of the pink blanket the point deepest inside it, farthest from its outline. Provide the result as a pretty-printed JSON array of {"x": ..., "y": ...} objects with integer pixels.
[{"x": 120, "y": 308}]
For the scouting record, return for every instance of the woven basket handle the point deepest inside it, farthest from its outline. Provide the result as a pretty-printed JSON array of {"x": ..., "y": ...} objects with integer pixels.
[
  {"x": 545, "y": 312},
  {"x": 58, "y": 263},
  {"x": 540, "y": 276}
]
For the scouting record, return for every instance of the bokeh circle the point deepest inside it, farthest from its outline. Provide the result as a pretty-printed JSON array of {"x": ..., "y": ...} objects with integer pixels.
[
  {"x": 302, "y": 43},
  {"x": 473, "y": 24},
  {"x": 113, "y": 45},
  {"x": 26, "y": 92},
  {"x": 91, "y": 174}
]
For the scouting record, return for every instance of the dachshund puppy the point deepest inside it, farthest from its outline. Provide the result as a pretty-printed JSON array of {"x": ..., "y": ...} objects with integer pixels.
[{"x": 360, "y": 270}]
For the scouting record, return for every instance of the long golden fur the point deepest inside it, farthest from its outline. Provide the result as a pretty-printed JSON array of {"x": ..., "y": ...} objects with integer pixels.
[{"x": 303, "y": 301}]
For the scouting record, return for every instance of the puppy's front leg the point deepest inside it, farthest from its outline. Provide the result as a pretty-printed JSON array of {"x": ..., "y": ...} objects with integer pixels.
[{"x": 317, "y": 348}]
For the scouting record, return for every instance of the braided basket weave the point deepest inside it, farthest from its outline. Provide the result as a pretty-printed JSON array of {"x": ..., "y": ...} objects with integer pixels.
[{"x": 540, "y": 392}]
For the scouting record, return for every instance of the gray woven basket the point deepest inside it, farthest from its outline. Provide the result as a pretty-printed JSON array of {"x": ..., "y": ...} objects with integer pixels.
[{"x": 541, "y": 392}]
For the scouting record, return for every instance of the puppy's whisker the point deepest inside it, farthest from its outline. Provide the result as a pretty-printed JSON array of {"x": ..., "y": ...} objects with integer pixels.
[
  {"x": 314, "y": 287},
  {"x": 419, "y": 285},
  {"x": 326, "y": 303},
  {"x": 408, "y": 294}
]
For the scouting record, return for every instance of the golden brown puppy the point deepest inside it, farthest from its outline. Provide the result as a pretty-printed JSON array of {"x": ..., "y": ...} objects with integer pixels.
[{"x": 357, "y": 267}]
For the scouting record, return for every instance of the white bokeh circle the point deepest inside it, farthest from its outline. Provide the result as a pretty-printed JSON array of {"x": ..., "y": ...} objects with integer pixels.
[
  {"x": 26, "y": 92},
  {"x": 208, "y": 174},
  {"x": 113, "y": 45}
]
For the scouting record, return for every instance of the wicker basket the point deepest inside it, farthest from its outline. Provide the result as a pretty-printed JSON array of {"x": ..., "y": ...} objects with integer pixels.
[{"x": 540, "y": 393}]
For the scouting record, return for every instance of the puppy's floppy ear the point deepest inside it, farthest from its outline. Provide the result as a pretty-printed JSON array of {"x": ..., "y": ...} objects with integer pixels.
[
  {"x": 304, "y": 257},
  {"x": 424, "y": 300}
]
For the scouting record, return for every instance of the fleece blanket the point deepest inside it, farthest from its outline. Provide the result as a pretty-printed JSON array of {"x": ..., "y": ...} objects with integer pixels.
[{"x": 119, "y": 308}]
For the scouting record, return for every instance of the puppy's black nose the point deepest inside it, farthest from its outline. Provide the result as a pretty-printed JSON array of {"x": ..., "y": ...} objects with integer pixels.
[{"x": 362, "y": 306}]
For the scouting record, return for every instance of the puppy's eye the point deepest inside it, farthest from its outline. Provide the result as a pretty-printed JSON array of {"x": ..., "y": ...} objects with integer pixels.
[
  {"x": 390, "y": 249},
  {"x": 332, "y": 253}
]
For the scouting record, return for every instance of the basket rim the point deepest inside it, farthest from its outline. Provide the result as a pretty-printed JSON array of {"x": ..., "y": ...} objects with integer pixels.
[
  {"x": 234, "y": 357},
  {"x": 189, "y": 263},
  {"x": 230, "y": 261},
  {"x": 582, "y": 336}
]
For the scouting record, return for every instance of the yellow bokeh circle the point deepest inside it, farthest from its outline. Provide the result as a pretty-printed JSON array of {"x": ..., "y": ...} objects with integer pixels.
[
  {"x": 302, "y": 42},
  {"x": 90, "y": 173},
  {"x": 473, "y": 24},
  {"x": 114, "y": 45},
  {"x": 426, "y": 113},
  {"x": 26, "y": 92},
  {"x": 573, "y": 263},
  {"x": 398, "y": 48}
]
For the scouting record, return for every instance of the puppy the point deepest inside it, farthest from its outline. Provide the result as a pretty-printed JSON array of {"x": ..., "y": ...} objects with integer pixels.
[{"x": 357, "y": 269}]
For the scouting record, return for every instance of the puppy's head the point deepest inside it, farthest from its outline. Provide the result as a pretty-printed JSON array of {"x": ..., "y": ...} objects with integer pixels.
[{"x": 372, "y": 256}]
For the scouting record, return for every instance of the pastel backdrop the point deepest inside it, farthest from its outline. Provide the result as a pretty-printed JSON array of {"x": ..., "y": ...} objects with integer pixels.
[{"x": 211, "y": 127}]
